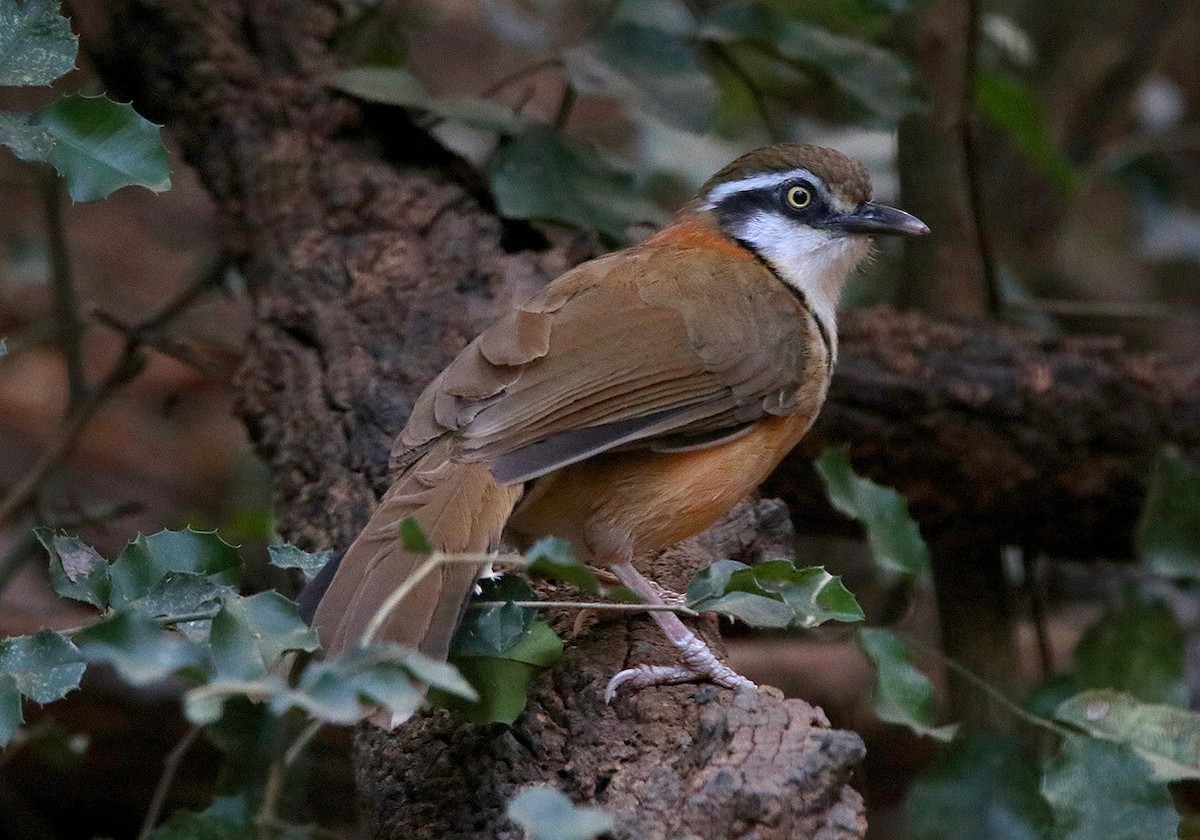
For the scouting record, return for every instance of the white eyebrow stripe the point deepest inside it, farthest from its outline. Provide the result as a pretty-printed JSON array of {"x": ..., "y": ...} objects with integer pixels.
[{"x": 756, "y": 182}]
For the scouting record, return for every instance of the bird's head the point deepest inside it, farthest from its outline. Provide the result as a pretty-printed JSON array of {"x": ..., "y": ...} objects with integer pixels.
[{"x": 806, "y": 211}]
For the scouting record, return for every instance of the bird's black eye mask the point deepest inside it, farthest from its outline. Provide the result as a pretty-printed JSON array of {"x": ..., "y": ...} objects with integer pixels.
[{"x": 797, "y": 199}]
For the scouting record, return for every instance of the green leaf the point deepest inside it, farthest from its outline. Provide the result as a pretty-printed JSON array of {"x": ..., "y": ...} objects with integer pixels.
[
  {"x": 489, "y": 629},
  {"x": 982, "y": 787},
  {"x": 1168, "y": 738},
  {"x": 250, "y": 634},
  {"x": 552, "y": 558},
  {"x": 895, "y": 539},
  {"x": 181, "y": 594},
  {"x": 398, "y": 87},
  {"x": 45, "y": 666},
  {"x": 502, "y": 682},
  {"x": 227, "y": 818},
  {"x": 140, "y": 648},
  {"x": 414, "y": 538},
  {"x": 1168, "y": 534},
  {"x": 28, "y": 142},
  {"x": 1138, "y": 648},
  {"x": 440, "y": 675},
  {"x": 650, "y": 70},
  {"x": 36, "y": 43},
  {"x": 287, "y": 556},
  {"x": 11, "y": 716},
  {"x": 772, "y": 594},
  {"x": 206, "y": 704},
  {"x": 547, "y": 814},
  {"x": 76, "y": 569},
  {"x": 540, "y": 174},
  {"x": 875, "y": 78},
  {"x": 145, "y": 561},
  {"x": 1103, "y": 791},
  {"x": 814, "y": 595},
  {"x": 902, "y": 694},
  {"x": 1012, "y": 106},
  {"x": 100, "y": 146}
]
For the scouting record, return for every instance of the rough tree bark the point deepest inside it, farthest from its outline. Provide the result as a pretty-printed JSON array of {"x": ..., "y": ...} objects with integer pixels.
[{"x": 369, "y": 275}]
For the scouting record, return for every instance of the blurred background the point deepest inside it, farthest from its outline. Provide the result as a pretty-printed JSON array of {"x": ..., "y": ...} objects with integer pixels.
[{"x": 1076, "y": 128}]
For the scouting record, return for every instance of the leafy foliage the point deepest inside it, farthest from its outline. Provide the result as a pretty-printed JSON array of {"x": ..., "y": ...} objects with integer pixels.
[
  {"x": 96, "y": 145},
  {"x": 902, "y": 694},
  {"x": 772, "y": 594},
  {"x": 288, "y": 556},
  {"x": 1168, "y": 533},
  {"x": 36, "y": 43},
  {"x": 547, "y": 814},
  {"x": 893, "y": 535},
  {"x": 1011, "y": 105}
]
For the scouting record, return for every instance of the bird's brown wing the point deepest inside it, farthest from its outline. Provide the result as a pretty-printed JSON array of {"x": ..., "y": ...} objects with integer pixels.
[{"x": 661, "y": 347}]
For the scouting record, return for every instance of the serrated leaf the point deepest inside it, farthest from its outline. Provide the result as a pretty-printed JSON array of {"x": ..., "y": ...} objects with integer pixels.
[
  {"x": 100, "y": 146},
  {"x": 46, "y": 666},
  {"x": 288, "y": 556},
  {"x": 489, "y": 629},
  {"x": 502, "y": 682},
  {"x": 1012, "y": 106},
  {"x": 145, "y": 561},
  {"x": 649, "y": 69},
  {"x": 11, "y": 716},
  {"x": 1167, "y": 538},
  {"x": 1103, "y": 791},
  {"x": 1166, "y": 737},
  {"x": 140, "y": 648},
  {"x": 540, "y": 174},
  {"x": 894, "y": 538},
  {"x": 181, "y": 594},
  {"x": 331, "y": 692},
  {"x": 902, "y": 694},
  {"x": 250, "y": 634},
  {"x": 76, "y": 569},
  {"x": 814, "y": 595},
  {"x": 772, "y": 594},
  {"x": 753, "y": 610},
  {"x": 552, "y": 558},
  {"x": 982, "y": 787},
  {"x": 547, "y": 814},
  {"x": 413, "y": 537},
  {"x": 27, "y": 142},
  {"x": 712, "y": 581},
  {"x": 36, "y": 43},
  {"x": 876, "y": 78}
]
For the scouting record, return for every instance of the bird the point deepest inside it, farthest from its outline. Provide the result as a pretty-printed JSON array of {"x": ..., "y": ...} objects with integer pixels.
[{"x": 626, "y": 406}]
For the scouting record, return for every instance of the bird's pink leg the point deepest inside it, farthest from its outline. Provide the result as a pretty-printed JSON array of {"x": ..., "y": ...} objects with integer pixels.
[{"x": 699, "y": 664}]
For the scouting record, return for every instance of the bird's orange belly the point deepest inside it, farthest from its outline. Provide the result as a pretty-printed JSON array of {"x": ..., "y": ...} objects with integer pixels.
[{"x": 633, "y": 503}]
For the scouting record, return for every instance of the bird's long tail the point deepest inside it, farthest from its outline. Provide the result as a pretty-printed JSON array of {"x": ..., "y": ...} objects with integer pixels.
[{"x": 462, "y": 510}]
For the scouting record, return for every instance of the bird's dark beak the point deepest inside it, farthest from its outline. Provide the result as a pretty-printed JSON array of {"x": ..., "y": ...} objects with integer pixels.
[{"x": 879, "y": 218}]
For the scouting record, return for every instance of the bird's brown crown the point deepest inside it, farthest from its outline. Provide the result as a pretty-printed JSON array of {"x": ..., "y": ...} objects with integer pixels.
[{"x": 840, "y": 173}]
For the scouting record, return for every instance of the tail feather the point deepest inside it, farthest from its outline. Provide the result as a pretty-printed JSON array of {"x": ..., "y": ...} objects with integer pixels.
[{"x": 461, "y": 509}]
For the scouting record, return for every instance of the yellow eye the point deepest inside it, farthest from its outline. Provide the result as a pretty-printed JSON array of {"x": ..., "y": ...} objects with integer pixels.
[{"x": 799, "y": 197}]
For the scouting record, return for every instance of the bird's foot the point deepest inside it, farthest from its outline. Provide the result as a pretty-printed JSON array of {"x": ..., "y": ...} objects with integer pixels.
[{"x": 699, "y": 665}]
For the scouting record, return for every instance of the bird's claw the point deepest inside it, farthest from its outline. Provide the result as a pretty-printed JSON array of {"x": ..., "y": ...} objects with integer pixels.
[{"x": 644, "y": 676}]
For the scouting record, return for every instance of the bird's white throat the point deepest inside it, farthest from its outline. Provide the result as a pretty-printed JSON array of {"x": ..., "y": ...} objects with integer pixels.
[{"x": 814, "y": 262}]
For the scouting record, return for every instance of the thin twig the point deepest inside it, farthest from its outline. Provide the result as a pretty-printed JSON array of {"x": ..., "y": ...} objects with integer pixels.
[
  {"x": 167, "y": 345},
  {"x": 563, "y": 114},
  {"x": 590, "y": 605},
  {"x": 170, "y": 770},
  {"x": 984, "y": 686},
  {"x": 971, "y": 161},
  {"x": 129, "y": 365},
  {"x": 756, "y": 95},
  {"x": 517, "y": 75},
  {"x": 266, "y": 819},
  {"x": 65, "y": 307},
  {"x": 1037, "y": 608}
]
